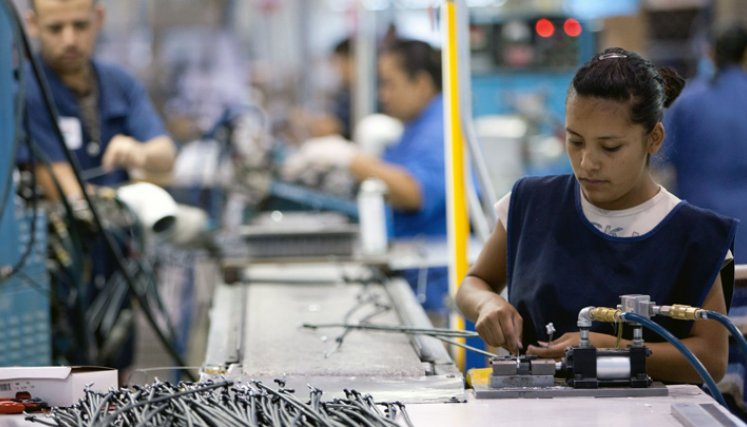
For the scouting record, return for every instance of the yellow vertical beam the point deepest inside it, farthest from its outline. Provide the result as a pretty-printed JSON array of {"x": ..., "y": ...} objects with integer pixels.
[{"x": 457, "y": 215}]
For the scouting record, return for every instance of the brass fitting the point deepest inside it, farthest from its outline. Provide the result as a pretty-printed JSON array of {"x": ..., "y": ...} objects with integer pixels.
[
  {"x": 604, "y": 314},
  {"x": 685, "y": 312}
]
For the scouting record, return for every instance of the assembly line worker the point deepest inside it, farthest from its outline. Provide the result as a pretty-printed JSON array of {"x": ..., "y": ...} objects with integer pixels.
[
  {"x": 336, "y": 121},
  {"x": 567, "y": 242},
  {"x": 413, "y": 167},
  {"x": 707, "y": 136},
  {"x": 104, "y": 113}
]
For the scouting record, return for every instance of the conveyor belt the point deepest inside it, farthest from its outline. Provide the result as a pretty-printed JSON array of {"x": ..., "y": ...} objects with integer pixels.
[
  {"x": 274, "y": 345},
  {"x": 279, "y": 310}
]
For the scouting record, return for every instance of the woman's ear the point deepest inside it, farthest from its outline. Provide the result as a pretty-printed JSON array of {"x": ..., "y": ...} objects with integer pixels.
[{"x": 655, "y": 138}]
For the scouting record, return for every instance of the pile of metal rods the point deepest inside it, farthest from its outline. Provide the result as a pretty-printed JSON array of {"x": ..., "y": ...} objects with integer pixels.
[{"x": 224, "y": 404}]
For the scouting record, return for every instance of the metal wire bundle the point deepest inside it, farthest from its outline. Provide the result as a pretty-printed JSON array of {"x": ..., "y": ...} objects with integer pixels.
[
  {"x": 438, "y": 333},
  {"x": 223, "y": 404}
]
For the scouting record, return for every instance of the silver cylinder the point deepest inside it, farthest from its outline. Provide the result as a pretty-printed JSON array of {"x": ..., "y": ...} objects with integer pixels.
[
  {"x": 584, "y": 338},
  {"x": 613, "y": 368},
  {"x": 637, "y": 336}
]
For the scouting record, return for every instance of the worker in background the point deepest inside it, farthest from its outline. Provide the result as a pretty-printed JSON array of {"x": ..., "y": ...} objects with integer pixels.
[
  {"x": 107, "y": 120},
  {"x": 413, "y": 167},
  {"x": 571, "y": 241},
  {"x": 105, "y": 114},
  {"x": 707, "y": 136},
  {"x": 344, "y": 62},
  {"x": 335, "y": 118}
]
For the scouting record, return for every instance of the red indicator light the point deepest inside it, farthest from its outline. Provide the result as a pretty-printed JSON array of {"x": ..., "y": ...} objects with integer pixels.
[
  {"x": 572, "y": 27},
  {"x": 544, "y": 28}
]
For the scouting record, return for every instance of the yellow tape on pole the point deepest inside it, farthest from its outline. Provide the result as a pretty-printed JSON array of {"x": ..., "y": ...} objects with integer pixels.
[{"x": 458, "y": 223}]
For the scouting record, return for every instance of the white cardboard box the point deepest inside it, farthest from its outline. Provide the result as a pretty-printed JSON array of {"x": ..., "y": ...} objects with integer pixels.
[{"x": 56, "y": 385}]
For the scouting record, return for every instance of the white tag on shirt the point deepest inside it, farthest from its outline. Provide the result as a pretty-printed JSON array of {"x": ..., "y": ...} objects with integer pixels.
[{"x": 72, "y": 130}]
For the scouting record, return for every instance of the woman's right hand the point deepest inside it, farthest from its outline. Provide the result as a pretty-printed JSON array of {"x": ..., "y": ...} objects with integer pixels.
[
  {"x": 479, "y": 299},
  {"x": 499, "y": 324}
]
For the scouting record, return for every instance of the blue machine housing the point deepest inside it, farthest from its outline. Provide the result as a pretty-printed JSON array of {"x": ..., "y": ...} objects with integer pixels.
[
  {"x": 25, "y": 325},
  {"x": 8, "y": 227}
]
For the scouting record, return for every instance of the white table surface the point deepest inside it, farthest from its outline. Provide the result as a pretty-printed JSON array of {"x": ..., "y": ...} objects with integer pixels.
[{"x": 569, "y": 411}]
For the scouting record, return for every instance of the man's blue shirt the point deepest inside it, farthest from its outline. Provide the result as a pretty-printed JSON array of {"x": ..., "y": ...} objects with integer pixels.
[
  {"x": 123, "y": 108},
  {"x": 420, "y": 151},
  {"x": 706, "y": 142}
]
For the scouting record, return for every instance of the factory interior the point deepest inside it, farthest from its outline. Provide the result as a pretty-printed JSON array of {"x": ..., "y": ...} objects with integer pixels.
[{"x": 296, "y": 212}]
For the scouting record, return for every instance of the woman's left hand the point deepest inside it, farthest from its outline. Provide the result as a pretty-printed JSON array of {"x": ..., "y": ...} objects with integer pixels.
[{"x": 556, "y": 348}]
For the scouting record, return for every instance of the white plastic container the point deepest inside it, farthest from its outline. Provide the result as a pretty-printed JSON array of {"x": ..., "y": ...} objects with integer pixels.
[{"x": 372, "y": 217}]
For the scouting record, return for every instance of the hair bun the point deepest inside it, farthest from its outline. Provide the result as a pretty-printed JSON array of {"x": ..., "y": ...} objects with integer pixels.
[{"x": 673, "y": 84}]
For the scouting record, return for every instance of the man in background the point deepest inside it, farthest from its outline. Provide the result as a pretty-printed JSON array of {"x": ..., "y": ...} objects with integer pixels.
[
  {"x": 105, "y": 114},
  {"x": 109, "y": 125},
  {"x": 337, "y": 120},
  {"x": 707, "y": 136},
  {"x": 335, "y": 117}
]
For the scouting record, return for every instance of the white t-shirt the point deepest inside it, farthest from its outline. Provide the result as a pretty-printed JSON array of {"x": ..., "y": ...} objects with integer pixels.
[{"x": 629, "y": 222}]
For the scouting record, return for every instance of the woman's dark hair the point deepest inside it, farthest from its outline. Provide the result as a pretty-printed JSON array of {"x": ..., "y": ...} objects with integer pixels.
[
  {"x": 624, "y": 76},
  {"x": 417, "y": 56},
  {"x": 730, "y": 45}
]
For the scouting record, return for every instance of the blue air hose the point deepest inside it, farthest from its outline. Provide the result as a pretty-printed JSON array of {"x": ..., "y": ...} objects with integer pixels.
[
  {"x": 733, "y": 330},
  {"x": 662, "y": 332}
]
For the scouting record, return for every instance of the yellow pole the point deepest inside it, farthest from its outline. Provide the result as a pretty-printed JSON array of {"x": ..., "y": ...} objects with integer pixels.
[{"x": 458, "y": 223}]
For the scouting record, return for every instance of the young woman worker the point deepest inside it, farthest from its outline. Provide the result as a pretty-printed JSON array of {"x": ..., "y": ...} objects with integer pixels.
[{"x": 567, "y": 242}]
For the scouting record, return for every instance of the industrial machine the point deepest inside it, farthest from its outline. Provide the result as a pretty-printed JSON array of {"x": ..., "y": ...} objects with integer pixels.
[
  {"x": 589, "y": 371},
  {"x": 24, "y": 285},
  {"x": 522, "y": 64}
]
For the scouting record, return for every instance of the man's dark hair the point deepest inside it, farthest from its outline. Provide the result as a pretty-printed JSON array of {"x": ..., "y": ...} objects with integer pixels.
[
  {"x": 417, "y": 56},
  {"x": 32, "y": 4},
  {"x": 730, "y": 45}
]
